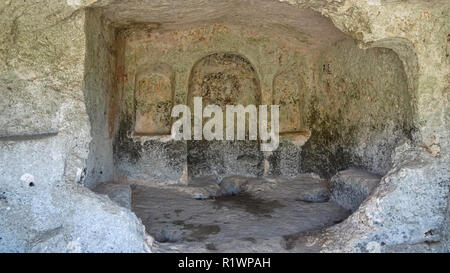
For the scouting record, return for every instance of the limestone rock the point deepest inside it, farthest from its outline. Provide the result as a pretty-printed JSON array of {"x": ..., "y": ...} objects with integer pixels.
[
  {"x": 351, "y": 187},
  {"x": 118, "y": 193},
  {"x": 57, "y": 80},
  {"x": 408, "y": 207}
]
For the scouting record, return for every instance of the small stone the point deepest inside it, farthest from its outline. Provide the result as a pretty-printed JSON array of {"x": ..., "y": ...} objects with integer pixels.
[
  {"x": 232, "y": 185},
  {"x": 27, "y": 178}
]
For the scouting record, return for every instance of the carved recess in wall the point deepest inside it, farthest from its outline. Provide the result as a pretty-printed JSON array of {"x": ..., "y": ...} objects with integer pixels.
[
  {"x": 224, "y": 79},
  {"x": 154, "y": 94},
  {"x": 287, "y": 86}
]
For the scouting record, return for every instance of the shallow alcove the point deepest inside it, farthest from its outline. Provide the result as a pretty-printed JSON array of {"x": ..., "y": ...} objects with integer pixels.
[
  {"x": 341, "y": 107},
  {"x": 224, "y": 79}
]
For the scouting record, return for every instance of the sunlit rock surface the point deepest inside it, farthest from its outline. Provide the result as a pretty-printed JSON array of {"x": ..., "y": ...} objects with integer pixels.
[{"x": 367, "y": 79}]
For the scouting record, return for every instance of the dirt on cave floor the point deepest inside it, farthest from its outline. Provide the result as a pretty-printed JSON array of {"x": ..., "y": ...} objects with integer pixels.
[{"x": 261, "y": 218}]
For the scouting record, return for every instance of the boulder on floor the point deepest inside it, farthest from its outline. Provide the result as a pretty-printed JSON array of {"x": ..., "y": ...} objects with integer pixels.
[
  {"x": 349, "y": 188},
  {"x": 232, "y": 185},
  {"x": 203, "y": 188}
]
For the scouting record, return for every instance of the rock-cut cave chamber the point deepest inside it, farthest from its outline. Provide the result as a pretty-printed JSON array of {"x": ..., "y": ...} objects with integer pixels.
[{"x": 343, "y": 110}]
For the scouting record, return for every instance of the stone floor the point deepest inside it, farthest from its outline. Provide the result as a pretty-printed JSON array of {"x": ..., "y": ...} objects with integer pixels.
[{"x": 259, "y": 218}]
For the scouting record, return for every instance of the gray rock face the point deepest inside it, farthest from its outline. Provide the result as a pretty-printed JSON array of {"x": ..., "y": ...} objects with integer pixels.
[
  {"x": 351, "y": 187},
  {"x": 160, "y": 159},
  {"x": 405, "y": 212},
  {"x": 45, "y": 137},
  {"x": 118, "y": 193},
  {"x": 286, "y": 159},
  {"x": 208, "y": 158}
]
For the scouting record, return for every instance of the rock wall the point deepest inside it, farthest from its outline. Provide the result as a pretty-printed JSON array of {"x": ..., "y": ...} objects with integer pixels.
[
  {"x": 358, "y": 109},
  {"x": 99, "y": 82},
  {"x": 355, "y": 102},
  {"x": 224, "y": 64},
  {"x": 45, "y": 132},
  {"x": 224, "y": 79},
  {"x": 45, "y": 141},
  {"x": 418, "y": 185}
]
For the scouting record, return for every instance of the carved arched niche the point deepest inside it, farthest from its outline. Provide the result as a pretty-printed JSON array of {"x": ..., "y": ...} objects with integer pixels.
[
  {"x": 154, "y": 94},
  {"x": 224, "y": 79}
]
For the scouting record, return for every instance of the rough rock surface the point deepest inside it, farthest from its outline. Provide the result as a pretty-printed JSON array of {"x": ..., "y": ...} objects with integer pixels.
[
  {"x": 118, "y": 193},
  {"x": 406, "y": 211},
  {"x": 255, "y": 220},
  {"x": 46, "y": 131},
  {"x": 45, "y": 138},
  {"x": 411, "y": 202},
  {"x": 351, "y": 187},
  {"x": 339, "y": 93}
]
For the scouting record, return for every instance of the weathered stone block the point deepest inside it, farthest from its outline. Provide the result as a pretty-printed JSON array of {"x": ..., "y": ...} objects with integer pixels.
[{"x": 351, "y": 187}]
